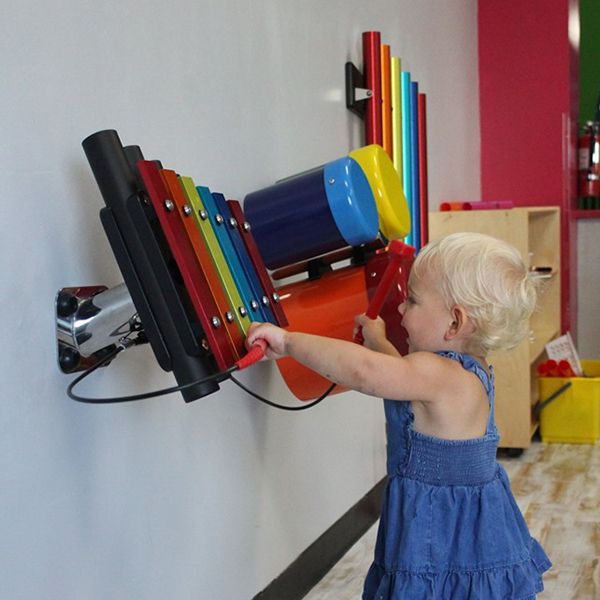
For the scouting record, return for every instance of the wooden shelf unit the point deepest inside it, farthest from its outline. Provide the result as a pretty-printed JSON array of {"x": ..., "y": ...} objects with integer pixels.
[{"x": 535, "y": 232}]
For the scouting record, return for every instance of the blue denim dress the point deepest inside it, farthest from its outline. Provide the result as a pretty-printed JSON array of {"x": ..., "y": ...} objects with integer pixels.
[{"x": 450, "y": 528}]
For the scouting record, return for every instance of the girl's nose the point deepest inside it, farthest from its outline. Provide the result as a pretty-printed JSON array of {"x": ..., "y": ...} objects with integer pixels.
[{"x": 402, "y": 307}]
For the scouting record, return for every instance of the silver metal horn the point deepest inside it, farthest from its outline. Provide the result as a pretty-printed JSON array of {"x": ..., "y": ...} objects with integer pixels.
[{"x": 90, "y": 321}]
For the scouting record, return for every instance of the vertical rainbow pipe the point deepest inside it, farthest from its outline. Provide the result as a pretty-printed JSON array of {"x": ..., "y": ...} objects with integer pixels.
[
  {"x": 414, "y": 164},
  {"x": 423, "y": 169},
  {"x": 396, "y": 115},
  {"x": 386, "y": 100},
  {"x": 406, "y": 150},
  {"x": 372, "y": 72}
]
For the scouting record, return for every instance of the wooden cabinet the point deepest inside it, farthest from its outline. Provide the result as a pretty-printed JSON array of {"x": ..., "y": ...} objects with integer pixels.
[{"x": 535, "y": 232}]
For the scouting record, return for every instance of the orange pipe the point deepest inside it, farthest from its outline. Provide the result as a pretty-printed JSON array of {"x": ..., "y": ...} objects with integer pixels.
[{"x": 386, "y": 100}]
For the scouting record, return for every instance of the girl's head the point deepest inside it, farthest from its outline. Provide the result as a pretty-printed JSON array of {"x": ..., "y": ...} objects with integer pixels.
[{"x": 486, "y": 280}]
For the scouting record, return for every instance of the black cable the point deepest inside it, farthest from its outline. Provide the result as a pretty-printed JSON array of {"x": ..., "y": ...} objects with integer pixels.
[
  {"x": 223, "y": 375},
  {"x": 143, "y": 396},
  {"x": 283, "y": 406}
]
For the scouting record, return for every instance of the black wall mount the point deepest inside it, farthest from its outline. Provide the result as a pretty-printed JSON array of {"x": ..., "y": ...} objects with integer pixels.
[{"x": 356, "y": 93}]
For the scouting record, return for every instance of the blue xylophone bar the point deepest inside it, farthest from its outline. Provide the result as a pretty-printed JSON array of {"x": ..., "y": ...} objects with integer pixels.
[
  {"x": 232, "y": 229},
  {"x": 252, "y": 304}
]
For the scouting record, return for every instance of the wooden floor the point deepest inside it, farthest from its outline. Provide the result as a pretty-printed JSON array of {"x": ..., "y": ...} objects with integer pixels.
[{"x": 557, "y": 487}]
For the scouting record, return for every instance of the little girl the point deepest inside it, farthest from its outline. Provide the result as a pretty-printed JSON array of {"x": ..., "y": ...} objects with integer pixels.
[{"x": 450, "y": 528}]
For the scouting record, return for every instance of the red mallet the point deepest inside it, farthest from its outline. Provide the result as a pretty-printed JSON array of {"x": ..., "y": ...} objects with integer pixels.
[
  {"x": 397, "y": 250},
  {"x": 256, "y": 352}
]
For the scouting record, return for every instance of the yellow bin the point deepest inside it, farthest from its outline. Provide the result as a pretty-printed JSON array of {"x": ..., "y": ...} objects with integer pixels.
[{"x": 574, "y": 417}]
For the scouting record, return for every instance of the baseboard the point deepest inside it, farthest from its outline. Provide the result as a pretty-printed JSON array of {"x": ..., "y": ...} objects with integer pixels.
[{"x": 318, "y": 559}]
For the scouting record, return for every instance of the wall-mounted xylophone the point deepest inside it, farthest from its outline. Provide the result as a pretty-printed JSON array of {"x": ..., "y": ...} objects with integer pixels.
[
  {"x": 194, "y": 269},
  {"x": 189, "y": 262}
]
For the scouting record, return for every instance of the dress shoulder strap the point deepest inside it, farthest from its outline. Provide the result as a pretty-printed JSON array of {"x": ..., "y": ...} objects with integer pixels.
[{"x": 471, "y": 364}]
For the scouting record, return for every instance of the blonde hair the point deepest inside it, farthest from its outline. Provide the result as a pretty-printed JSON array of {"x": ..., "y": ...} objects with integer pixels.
[{"x": 489, "y": 279}]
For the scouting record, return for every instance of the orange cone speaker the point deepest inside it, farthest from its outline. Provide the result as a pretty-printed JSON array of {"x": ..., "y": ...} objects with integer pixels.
[{"x": 327, "y": 306}]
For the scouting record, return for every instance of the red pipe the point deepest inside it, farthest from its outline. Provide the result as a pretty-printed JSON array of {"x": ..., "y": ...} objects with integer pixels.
[
  {"x": 423, "y": 201},
  {"x": 372, "y": 73}
]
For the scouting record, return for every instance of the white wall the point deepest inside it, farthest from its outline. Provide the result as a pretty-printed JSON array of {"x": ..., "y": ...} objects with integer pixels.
[
  {"x": 588, "y": 282},
  {"x": 159, "y": 499}
]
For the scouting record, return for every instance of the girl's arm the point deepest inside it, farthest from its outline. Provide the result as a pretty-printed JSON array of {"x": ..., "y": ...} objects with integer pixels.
[{"x": 421, "y": 376}]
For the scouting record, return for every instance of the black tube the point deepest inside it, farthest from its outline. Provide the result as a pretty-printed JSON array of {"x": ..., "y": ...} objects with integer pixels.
[
  {"x": 110, "y": 166},
  {"x": 133, "y": 155}
]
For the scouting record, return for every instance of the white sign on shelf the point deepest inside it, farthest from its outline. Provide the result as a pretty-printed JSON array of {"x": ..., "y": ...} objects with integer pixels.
[{"x": 562, "y": 348}]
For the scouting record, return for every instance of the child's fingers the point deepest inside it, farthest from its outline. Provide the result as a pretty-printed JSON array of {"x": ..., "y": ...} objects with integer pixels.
[
  {"x": 253, "y": 333},
  {"x": 264, "y": 334},
  {"x": 359, "y": 319}
]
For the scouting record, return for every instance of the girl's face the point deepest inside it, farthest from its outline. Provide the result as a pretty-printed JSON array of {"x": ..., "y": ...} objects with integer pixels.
[{"x": 424, "y": 315}]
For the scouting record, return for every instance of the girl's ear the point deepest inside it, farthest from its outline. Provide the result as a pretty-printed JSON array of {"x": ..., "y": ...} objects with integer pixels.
[{"x": 460, "y": 324}]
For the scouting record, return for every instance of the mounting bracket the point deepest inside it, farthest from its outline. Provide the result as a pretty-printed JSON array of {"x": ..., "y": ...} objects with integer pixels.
[{"x": 356, "y": 93}]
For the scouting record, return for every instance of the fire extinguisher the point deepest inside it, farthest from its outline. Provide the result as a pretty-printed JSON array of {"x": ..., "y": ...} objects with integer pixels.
[{"x": 589, "y": 165}]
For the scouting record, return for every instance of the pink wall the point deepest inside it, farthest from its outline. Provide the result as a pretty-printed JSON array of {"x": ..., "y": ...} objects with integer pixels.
[{"x": 528, "y": 108}]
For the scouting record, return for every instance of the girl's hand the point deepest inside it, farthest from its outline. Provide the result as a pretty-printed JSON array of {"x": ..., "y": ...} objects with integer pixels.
[
  {"x": 275, "y": 337},
  {"x": 373, "y": 332}
]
